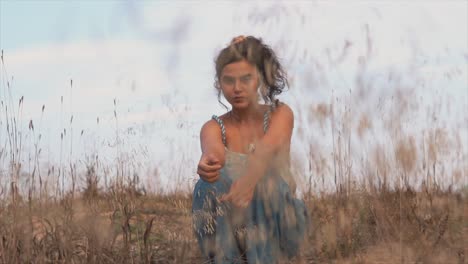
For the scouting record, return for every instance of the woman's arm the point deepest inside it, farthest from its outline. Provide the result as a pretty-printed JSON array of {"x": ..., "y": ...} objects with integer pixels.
[
  {"x": 277, "y": 136},
  {"x": 212, "y": 159}
]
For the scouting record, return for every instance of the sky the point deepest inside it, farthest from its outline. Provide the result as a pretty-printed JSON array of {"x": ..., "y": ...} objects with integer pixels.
[{"x": 154, "y": 59}]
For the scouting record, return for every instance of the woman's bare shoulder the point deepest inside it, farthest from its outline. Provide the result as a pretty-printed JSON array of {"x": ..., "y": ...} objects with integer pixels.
[
  {"x": 282, "y": 109},
  {"x": 210, "y": 126}
]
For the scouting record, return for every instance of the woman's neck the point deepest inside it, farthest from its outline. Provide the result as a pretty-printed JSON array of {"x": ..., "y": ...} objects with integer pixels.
[{"x": 246, "y": 115}]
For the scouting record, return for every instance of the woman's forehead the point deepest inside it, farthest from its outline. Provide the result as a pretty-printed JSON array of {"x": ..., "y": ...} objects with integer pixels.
[{"x": 239, "y": 68}]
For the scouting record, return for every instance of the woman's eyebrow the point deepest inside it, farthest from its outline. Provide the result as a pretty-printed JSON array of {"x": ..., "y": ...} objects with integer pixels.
[
  {"x": 241, "y": 77},
  {"x": 228, "y": 77}
]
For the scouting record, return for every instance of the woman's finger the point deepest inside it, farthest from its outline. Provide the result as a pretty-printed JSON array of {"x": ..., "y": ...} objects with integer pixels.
[
  {"x": 241, "y": 203},
  {"x": 208, "y": 175},
  {"x": 211, "y": 180},
  {"x": 226, "y": 197},
  {"x": 209, "y": 168}
]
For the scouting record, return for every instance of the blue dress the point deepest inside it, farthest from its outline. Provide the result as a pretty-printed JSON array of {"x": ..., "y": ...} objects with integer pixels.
[{"x": 270, "y": 229}]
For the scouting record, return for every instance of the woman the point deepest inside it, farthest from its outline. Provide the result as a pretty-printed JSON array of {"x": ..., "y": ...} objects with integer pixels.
[{"x": 244, "y": 208}]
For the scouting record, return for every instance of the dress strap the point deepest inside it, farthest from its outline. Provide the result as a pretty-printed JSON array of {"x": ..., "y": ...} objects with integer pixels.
[
  {"x": 266, "y": 116},
  {"x": 223, "y": 129},
  {"x": 266, "y": 120}
]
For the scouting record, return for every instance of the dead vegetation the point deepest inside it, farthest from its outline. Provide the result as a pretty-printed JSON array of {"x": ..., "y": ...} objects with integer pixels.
[
  {"x": 378, "y": 226},
  {"x": 394, "y": 201}
]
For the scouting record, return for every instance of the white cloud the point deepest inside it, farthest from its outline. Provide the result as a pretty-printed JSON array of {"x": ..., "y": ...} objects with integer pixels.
[
  {"x": 129, "y": 71},
  {"x": 139, "y": 72}
]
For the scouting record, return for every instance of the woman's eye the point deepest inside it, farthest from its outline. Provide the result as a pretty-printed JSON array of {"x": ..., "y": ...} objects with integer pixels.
[
  {"x": 246, "y": 79},
  {"x": 228, "y": 81}
]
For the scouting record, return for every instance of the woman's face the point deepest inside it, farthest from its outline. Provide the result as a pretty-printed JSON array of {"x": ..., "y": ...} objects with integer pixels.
[{"x": 239, "y": 84}]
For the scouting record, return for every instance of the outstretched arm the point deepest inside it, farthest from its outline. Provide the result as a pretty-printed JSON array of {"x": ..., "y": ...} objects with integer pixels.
[
  {"x": 212, "y": 159},
  {"x": 278, "y": 135}
]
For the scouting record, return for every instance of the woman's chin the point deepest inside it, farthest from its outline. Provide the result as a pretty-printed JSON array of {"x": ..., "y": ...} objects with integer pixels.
[{"x": 240, "y": 105}]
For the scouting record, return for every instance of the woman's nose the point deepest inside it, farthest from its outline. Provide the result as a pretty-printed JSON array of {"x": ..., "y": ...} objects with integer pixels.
[{"x": 237, "y": 86}]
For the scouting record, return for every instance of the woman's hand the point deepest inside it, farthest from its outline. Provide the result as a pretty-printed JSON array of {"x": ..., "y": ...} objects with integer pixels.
[
  {"x": 208, "y": 168},
  {"x": 241, "y": 192}
]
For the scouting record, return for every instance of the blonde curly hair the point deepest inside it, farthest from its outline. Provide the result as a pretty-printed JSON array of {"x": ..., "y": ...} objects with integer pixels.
[{"x": 273, "y": 78}]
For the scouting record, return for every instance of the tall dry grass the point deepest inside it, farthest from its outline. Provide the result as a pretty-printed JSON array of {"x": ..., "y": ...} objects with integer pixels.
[{"x": 396, "y": 203}]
